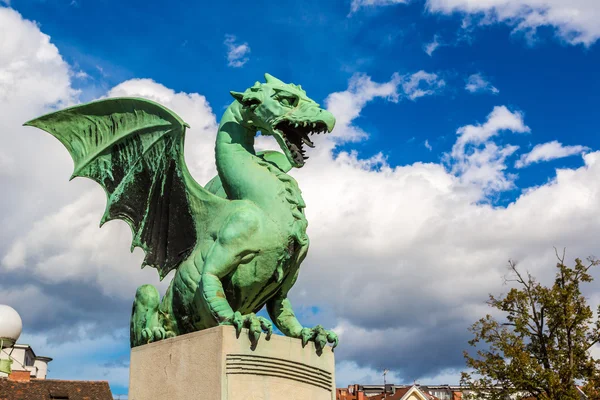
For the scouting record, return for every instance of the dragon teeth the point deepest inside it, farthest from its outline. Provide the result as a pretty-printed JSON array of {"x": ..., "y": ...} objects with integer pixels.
[{"x": 308, "y": 142}]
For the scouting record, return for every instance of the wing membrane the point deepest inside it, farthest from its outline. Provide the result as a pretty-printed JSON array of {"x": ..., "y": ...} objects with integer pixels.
[{"x": 134, "y": 149}]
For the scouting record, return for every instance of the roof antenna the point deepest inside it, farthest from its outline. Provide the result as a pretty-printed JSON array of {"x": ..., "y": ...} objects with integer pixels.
[{"x": 385, "y": 371}]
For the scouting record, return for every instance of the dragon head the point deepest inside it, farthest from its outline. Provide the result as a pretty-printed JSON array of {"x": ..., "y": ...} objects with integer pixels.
[{"x": 285, "y": 112}]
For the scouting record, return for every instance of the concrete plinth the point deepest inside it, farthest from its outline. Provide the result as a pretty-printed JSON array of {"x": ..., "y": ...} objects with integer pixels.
[{"x": 215, "y": 365}]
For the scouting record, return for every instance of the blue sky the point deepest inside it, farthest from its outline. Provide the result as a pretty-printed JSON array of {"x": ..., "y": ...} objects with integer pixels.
[
  {"x": 320, "y": 45},
  {"x": 398, "y": 73}
]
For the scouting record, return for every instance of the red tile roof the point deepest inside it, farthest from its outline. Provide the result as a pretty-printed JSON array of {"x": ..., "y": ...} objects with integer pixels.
[
  {"x": 400, "y": 393},
  {"x": 396, "y": 396},
  {"x": 50, "y": 389}
]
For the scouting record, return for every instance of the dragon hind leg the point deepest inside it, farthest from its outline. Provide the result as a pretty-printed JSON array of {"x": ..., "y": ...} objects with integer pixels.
[{"x": 146, "y": 324}]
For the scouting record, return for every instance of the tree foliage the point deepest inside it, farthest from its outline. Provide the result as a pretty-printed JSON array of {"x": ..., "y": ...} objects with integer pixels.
[{"x": 541, "y": 347}]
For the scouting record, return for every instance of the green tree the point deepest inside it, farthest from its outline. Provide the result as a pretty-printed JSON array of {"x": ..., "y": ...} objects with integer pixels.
[{"x": 541, "y": 347}]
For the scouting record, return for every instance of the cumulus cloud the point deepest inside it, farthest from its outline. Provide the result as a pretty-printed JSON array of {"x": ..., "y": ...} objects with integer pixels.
[
  {"x": 548, "y": 151},
  {"x": 347, "y": 105},
  {"x": 33, "y": 79},
  {"x": 478, "y": 160},
  {"x": 419, "y": 253},
  {"x": 237, "y": 53},
  {"x": 358, "y": 4},
  {"x": 476, "y": 83},
  {"x": 575, "y": 21}
]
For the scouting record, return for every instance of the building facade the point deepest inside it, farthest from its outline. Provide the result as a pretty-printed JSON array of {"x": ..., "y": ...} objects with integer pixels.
[{"x": 24, "y": 359}]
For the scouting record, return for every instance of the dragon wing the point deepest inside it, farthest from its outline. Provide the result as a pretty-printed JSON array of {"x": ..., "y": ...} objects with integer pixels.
[{"x": 134, "y": 149}]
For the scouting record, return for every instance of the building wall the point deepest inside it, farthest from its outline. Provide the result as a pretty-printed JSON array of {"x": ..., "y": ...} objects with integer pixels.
[
  {"x": 24, "y": 359},
  {"x": 41, "y": 366}
]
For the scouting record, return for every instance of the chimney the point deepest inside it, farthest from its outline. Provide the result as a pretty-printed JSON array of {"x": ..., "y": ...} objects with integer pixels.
[{"x": 20, "y": 376}]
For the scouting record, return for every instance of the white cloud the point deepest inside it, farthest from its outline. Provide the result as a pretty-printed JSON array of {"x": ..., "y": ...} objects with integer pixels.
[
  {"x": 380, "y": 233},
  {"x": 478, "y": 160},
  {"x": 429, "y": 48},
  {"x": 476, "y": 83},
  {"x": 427, "y": 145},
  {"x": 548, "y": 151},
  {"x": 501, "y": 118},
  {"x": 346, "y": 105},
  {"x": 33, "y": 79},
  {"x": 575, "y": 21},
  {"x": 237, "y": 53},
  {"x": 30, "y": 63},
  {"x": 81, "y": 75},
  {"x": 358, "y": 4},
  {"x": 421, "y": 84}
]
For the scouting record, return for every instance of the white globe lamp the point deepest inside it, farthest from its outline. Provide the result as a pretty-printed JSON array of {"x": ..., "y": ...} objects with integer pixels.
[{"x": 11, "y": 326}]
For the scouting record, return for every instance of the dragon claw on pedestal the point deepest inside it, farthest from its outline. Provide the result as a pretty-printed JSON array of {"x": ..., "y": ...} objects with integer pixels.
[
  {"x": 255, "y": 325},
  {"x": 320, "y": 336}
]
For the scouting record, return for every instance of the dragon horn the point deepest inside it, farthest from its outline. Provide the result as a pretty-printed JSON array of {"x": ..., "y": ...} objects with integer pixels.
[
  {"x": 237, "y": 95},
  {"x": 271, "y": 79}
]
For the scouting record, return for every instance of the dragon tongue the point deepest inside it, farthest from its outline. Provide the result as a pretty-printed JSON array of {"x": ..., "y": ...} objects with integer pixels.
[{"x": 307, "y": 141}]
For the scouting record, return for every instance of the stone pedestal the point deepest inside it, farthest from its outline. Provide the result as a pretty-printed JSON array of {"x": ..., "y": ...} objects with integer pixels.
[{"x": 215, "y": 365}]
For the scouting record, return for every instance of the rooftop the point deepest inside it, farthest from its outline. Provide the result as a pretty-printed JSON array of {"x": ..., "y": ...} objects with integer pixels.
[{"x": 50, "y": 389}]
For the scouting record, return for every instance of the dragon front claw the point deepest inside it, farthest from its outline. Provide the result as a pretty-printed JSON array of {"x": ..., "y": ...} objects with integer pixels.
[
  {"x": 320, "y": 336},
  {"x": 255, "y": 325},
  {"x": 155, "y": 334}
]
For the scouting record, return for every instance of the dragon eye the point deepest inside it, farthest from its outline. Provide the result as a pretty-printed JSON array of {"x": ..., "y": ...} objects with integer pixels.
[{"x": 287, "y": 100}]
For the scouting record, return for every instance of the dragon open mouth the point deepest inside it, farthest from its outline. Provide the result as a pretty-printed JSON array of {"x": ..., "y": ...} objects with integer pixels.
[{"x": 296, "y": 135}]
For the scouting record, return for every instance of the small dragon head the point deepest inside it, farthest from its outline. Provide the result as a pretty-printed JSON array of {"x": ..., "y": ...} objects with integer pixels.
[{"x": 285, "y": 112}]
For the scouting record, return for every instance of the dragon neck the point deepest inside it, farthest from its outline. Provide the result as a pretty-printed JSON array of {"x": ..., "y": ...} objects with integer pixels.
[
  {"x": 235, "y": 155},
  {"x": 234, "y": 135},
  {"x": 246, "y": 176}
]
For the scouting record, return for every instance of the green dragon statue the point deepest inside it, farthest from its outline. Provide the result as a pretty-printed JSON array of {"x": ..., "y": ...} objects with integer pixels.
[{"x": 237, "y": 243}]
